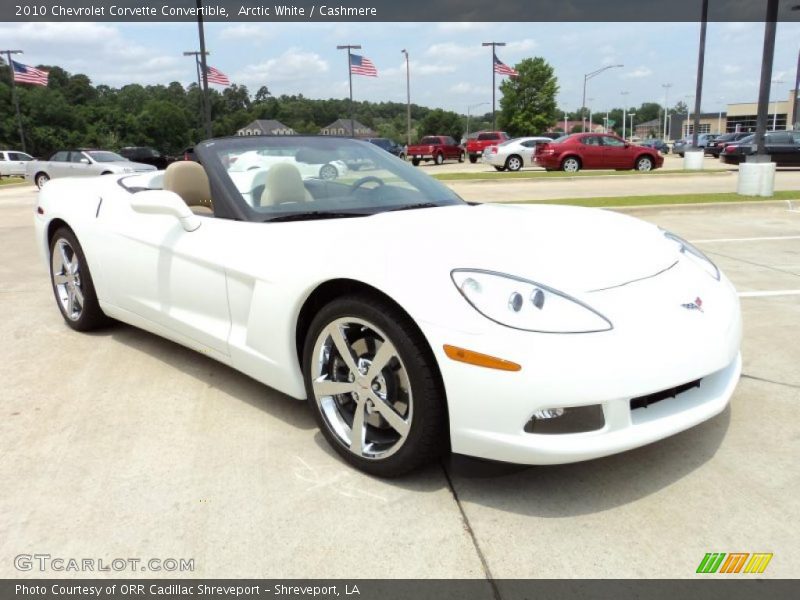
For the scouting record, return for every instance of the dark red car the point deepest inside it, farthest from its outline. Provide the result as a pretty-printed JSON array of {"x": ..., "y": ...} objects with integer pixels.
[
  {"x": 572, "y": 153},
  {"x": 437, "y": 148}
]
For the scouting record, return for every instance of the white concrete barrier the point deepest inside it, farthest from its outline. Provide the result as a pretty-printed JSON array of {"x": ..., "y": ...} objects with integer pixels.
[
  {"x": 693, "y": 160},
  {"x": 756, "y": 179}
]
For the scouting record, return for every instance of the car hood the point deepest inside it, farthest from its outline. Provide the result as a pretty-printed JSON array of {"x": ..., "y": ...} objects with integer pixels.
[{"x": 570, "y": 248}]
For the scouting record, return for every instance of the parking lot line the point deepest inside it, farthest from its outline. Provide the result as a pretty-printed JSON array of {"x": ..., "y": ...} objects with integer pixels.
[
  {"x": 765, "y": 294},
  {"x": 748, "y": 239}
]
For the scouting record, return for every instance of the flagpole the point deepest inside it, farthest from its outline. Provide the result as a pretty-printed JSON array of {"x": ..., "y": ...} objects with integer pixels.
[
  {"x": 350, "y": 80},
  {"x": 494, "y": 75},
  {"x": 203, "y": 53},
  {"x": 15, "y": 96},
  {"x": 196, "y": 56}
]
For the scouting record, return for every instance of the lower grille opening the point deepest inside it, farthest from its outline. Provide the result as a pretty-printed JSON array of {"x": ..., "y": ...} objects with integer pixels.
[
  {"x": 576, "y": 419},
  {"x": 645, "y": 401}
]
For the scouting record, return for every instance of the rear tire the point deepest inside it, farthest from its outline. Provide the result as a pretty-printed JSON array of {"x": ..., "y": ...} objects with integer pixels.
[
  {"x": 415, "y": 162},
  {"x": 473, "y": 158},
  {"x": 399, "y": 411},
  {"x": 41, "y": 179},
  {"x": 571, "y": 164},
  {"x": 499, "y": 168},
  {"x": 438, "y": 159},
  {"x": 72, "y": 283},
  {"x": 514, "y": 163}
]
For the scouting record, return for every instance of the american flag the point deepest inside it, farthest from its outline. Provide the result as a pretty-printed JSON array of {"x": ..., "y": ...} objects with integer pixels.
[
  {"x": 216, "y": 76},
  {"x": 503, "y": 69},
  {"x": 26, "y": 74},
  {"x": 361, "y": 65}
]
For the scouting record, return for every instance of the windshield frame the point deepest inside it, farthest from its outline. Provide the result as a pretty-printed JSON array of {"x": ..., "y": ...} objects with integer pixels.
[{"x": 229, "y": 202}]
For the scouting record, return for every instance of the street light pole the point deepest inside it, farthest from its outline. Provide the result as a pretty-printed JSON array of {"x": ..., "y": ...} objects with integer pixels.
[
  {"x": 775, "y": 112},
  {"x": 590, "y": 116},
  {"x": 408, "y": 98},
  {"x": 767, "y": 56},
  {"x": 350, "y": 47},
  {"x": 624, "y": 109},
  {"x": 204, "y": 65},
  {"x": 700, "y": 66},
  {"x": 8, "y": 54},
  {"x": 666, "y": 87},
  {"x": 630, "y": 116},
  {"x": 586, "y": 78},
  {"x": 469, "y": 108},
  {"x": 494, "y": 74}
]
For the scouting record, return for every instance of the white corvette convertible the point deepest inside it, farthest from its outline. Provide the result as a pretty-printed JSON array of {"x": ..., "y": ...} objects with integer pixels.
[{"x": 415, "y": 323}]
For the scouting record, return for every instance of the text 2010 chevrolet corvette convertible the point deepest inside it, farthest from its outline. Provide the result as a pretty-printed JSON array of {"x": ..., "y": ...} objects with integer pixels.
[{"x": 414, "y": 322}]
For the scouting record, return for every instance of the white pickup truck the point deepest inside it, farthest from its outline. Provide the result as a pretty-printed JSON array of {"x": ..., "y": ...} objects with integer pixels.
[
  {"x": 12, "y": 163},
  {"x": 81, "y": 163}
]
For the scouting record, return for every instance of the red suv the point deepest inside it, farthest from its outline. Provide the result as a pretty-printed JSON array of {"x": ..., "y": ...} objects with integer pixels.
[
  {"x": 476, "y": 145},
  {"x": 572, "y": 153}
]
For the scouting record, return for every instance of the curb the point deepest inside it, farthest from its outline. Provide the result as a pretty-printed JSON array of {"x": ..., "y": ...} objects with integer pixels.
[
  {"x": 578, "y": 178},
  {"x": 792, "y": 205}
]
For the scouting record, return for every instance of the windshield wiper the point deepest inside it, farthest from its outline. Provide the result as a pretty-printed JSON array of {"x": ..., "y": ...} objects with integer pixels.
[
  {"x": 316, "y": 214},
  {"x": 413, "y": 206}
]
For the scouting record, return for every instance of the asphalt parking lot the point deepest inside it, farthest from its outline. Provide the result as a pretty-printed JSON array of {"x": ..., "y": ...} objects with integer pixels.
[{"x": 121, "y": 444}]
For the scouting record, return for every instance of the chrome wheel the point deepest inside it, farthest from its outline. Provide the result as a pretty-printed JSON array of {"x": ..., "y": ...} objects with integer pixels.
[
  {"x": 571, "y": 165},
  {"x": 41, "y": 179},
  {"x": 328, "y": 172},
  {"x": 644, "y": 164},
  {"x": 514, "y": 163},
  {"x": 66, "y": 270},
  {"x": 362, "y": 388}
]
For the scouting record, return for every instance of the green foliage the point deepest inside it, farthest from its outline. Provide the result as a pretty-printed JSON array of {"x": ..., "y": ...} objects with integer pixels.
[
  {"x": 442, "y": 122},
  {"x": 528, "y": 104}
]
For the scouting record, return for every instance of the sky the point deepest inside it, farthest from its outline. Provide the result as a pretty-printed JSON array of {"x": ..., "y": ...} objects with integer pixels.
[{"x": 449, "y": 67}]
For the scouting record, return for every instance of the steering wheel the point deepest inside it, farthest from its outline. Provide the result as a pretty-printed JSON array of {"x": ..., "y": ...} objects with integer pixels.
[{"x": 368, "y": 179}]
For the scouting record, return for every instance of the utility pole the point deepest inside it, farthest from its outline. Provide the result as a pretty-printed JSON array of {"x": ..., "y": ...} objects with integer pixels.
[
  {"x": 775, "y": 112},
  {"x": 494, "y": 85},
  {"x": 469, "y": 109},
  {"x": 700, "y": 65},
  {"x": 408, "y": 98},
  {"x": 767, "y": 57},
  {"x": 14, "y": 95},
  {"x": 630, "y": 116},
  {"x": 204, "y": 67},
  {"x": 350, "y": 47},
  {"x": 586, "y": 78},
  {"x": 666, "y": 87},
  {"x": 196, "y": 56},
  {"x": 796, "y": 109}
]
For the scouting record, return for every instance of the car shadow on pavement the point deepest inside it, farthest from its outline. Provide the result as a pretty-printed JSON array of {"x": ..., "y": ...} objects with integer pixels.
[
  {"x": 554, "y": 491},
  {"x": 214, "y": 374}
]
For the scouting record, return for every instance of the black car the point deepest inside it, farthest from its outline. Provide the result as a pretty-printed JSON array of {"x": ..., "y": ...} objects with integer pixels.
[
  {"x": 389, "y": 145},
  {"x": 783, "y": 148},
  {"x": 147, "y": 155},
  {"x": 716, "y": 147},
  {"x": 656, "y": 144}
]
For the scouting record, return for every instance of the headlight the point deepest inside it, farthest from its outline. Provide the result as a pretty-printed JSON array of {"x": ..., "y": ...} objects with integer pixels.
[
  {"x": 693, "y": 254},
  {"x": 526, "y": 305}
]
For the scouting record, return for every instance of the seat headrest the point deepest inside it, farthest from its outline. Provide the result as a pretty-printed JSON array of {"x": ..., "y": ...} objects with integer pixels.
[
  {"x": 283, "y": 184},
  {"x": 188, "y": 179}
]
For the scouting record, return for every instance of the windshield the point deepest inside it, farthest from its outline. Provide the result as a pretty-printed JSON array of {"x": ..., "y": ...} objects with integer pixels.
[
  {"x": 282, "y": 176},
  {"x": 104, "y": 157}
]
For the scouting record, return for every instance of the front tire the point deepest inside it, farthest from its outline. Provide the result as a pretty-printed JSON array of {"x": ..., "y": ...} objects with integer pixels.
[
  {"x": 473, "y": 158},
  {"x": 367, "y": 369},
  {"x": 415, "y": 162},
  {"x": 644, "y": 164},
  {"x": 72, "y": 283},
  {"x": 499, "y": 168}
]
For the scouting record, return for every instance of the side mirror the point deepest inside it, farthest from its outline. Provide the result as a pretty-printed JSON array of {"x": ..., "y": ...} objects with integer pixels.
[
  {"x": 627, "y": 144},
  {"x": 162, "y": 202},
  {"x": 86, "y": 161}
]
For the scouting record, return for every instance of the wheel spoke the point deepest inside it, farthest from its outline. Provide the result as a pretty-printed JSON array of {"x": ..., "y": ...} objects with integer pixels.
[
  {"x": 359, "y": 430},
  {"x": 70, "y": 301},
  {"x": 382, "y": 357},
  {"x": 326, "y": 387},
  {"x": 343, "y": 347},
  {"x": 397, "y": 422},
  {"x": 78, "y": 295},
  {"x": 59, "y": 279},
  {"x": 65, "y": 262}
]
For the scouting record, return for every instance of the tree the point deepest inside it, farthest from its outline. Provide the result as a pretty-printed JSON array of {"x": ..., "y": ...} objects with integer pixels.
[
  {"x": 528, "y": 104},
  {"x": 442, "y": 122}
]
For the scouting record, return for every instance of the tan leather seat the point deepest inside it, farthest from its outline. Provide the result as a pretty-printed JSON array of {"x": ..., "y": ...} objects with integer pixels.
[
  {"x": 284, "y": 184},
  {"x": 188, "y": 179}
]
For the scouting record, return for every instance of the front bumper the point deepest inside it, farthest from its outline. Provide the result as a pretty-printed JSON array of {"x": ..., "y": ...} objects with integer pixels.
[{"x": 648, "y": 351}]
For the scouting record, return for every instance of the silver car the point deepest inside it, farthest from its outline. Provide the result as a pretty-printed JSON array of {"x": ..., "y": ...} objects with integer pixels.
[
  {"x": 12, "y": 163},
  {"x": 81, "y": 163}
]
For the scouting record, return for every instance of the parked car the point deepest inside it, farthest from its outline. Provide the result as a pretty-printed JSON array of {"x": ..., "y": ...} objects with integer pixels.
[
  {"x": 656, "y": 144},
  {"x": 305, "y": 161},
  {"x": 596, "y": 151},
  {"x": 436, "y": 148},
  {"x": 716, "y": 147},
  {"x": 390, "y": 146},
  {"x": 147, "y": 155},
  {"x": 399, "y": 347},
  {"x": 484, "y": 139},
  {"x": 13, "y": 163},
  {"x": 513, "y": 154},
  {"x": 80, "y": 163},
  {"x": 680, "y": 147},
  {"x": 783, "y": 148}
]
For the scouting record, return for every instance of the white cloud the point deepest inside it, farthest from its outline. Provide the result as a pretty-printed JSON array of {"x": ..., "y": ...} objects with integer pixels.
[
  {"x": 252, "y": 32},
  {"x": 470, "y": 89},
  {"x": 638, "y": 73},
  {"x": 521, "y": 46},
  {"x": 731, "y": 69},
  {"x": 451, "y": 51},
  {"x": 293, "y": 65},
  {"x": 462, "y": 27}
]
